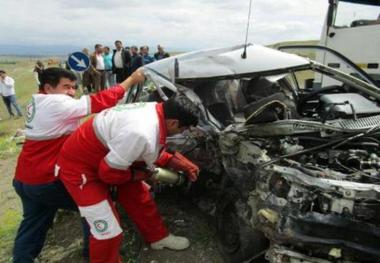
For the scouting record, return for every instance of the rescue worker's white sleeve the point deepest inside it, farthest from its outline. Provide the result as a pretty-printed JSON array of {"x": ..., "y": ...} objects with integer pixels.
[
  {"x": 68, "y": 108},
  {"x": 126, "y": 148}
]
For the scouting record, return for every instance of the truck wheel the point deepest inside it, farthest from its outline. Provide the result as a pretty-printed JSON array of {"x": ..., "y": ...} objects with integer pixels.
[{"x": 238, "y": 241}]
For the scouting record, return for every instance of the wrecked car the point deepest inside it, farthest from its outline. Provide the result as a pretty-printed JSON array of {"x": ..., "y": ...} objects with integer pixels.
[{"x": 290, "y": 168}]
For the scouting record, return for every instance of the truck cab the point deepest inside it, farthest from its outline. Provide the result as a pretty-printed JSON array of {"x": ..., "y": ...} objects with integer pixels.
[{"x": 352, "y": 27}]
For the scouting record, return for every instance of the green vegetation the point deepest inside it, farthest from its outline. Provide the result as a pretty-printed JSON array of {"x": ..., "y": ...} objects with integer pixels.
[
  {"x": 8, "y": 226},
  {"x": 8, "y": 147},
  {"x": 25, "y": 85},
  {"x": 5, "y": 62},
  {"x": 10, "y": 214}
]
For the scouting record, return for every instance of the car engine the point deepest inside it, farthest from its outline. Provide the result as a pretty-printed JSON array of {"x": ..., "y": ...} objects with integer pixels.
[{"x": 308, "y": 179}]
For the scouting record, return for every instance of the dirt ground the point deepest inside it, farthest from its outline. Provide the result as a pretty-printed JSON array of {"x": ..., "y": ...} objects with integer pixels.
[{"x": 64, "y": 240}]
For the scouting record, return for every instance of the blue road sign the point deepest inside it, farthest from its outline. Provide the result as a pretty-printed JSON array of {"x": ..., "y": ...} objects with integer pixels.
[{"x": 78, "y": 61}]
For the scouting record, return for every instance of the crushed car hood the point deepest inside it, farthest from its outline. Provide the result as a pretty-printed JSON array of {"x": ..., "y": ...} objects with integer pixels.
[{"x": 226, "y": 62}]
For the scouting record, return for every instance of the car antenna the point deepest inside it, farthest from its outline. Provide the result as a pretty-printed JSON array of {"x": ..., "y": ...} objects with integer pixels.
[{"x": 244, "y": 55}]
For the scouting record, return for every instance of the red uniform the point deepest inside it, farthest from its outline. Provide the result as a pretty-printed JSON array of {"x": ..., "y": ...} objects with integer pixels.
[
  {"x": 113, "y": 140},
  {"x": 50, "y": 118}
]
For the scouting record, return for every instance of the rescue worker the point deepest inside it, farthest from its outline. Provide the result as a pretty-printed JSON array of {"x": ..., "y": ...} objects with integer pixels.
[
  {"x": 115, "y": 140},
  {"x": 52, "y": 115}
]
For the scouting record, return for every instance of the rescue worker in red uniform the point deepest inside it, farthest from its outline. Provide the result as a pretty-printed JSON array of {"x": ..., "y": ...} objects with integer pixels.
[
  {"x": 115, "y": 140},
  {"x": 52, "y": 115}
]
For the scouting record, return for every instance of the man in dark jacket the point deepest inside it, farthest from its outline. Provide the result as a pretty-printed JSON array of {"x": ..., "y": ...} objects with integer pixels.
[
  {"x": 144, "y": 52},
  {"x": 136, "y": 59},
  {"x": 160, "y": 54},
  {"x": 121, "y": 62}
]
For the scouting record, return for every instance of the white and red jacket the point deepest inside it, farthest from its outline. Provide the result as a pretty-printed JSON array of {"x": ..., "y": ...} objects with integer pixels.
[
  {"x": 115, "y": 139},
  {"x": 50, "y": 118}
]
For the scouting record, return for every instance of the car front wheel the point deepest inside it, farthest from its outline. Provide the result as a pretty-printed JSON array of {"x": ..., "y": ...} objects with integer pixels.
[{"x": 238, "y": 241}]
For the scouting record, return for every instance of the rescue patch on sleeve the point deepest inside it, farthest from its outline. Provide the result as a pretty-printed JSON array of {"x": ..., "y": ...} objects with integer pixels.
[
  {"x": 102, "y": 221},
  {"x": 30, "y": 110}
]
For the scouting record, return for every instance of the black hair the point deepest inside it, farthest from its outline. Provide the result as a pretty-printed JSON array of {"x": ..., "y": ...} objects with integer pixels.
[
  {"x": 97, "y": 45},
  {"x": 182, "y": 109},
  {"x": 52, "y": 76},
  {"x": 118, "y": 41},
  {"x": 2, "y": 71}
]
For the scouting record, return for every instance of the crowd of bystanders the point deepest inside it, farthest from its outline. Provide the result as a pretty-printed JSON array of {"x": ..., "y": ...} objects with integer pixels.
[{"x": 108, "y": 67}]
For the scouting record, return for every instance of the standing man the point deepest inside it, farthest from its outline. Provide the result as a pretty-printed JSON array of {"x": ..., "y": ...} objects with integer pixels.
[
  {"x": 160, "y": 54},
  {"x": 7, "y": 90},
  {"x": 121, "y": 62},
  {"x": 114, "y": 141},
  {"x": 51, "y": 116},
  {"x": 38, "y": 69},
  {"x": 88, "y": 83},
  {"x": 145, "y": 54},
  {"x": 110, "y": 77},
  {"x": 136, "y": 60},
  {"x": 98, "y": 68}
]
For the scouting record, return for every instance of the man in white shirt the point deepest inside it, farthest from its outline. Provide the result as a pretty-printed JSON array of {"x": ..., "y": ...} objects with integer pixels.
[
  {"x": 121, "y": 62},
  {"x": 98, "y": 68},
  {"x": 7, "y": 90}
]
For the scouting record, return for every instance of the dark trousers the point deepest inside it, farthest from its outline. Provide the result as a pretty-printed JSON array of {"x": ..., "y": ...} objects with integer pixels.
[
  {"x": 40, "y": 203},
  {"x": 120, "y": 75},
  {"x": 9, "y": 101},
  {"x": 88, "y": 80}
]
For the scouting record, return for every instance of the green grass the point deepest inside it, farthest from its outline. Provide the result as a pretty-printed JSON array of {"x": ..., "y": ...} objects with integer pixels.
[
  {"x": 25, "y": 85},
  {"x": 22, "y": 72},
  {"x": 8, "y": 226},
  {"x": 8, "y": 147}
]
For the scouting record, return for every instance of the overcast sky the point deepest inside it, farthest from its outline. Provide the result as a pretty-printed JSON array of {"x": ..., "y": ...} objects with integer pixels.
[{"x": 176, "y": 24}]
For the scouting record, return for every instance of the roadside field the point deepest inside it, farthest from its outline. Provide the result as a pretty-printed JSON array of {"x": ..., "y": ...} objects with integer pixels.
[{"x": 21, "y": 70}]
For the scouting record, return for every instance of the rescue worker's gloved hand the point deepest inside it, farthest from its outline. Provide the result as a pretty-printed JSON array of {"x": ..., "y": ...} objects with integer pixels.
[
  {"x": 140, "y": 174},
  {"x": 180, "y": 163}
]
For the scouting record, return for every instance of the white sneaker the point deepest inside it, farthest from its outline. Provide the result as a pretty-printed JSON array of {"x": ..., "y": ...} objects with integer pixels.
[{"x": 172, "y": 242}]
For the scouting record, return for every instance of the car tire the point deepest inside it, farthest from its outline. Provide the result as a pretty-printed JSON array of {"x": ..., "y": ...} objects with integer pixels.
[{"x": 237, "y": 241}]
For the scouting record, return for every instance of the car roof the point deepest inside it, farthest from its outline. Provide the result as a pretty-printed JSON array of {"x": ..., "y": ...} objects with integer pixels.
[{"x": 226, "y": 62}]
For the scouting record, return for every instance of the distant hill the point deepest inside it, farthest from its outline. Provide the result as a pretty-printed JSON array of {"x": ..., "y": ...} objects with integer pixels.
[
  {"x": 41, "y": 50},
  {"x": 51, "y": 50},
  {"x": 64, "y": 50}
]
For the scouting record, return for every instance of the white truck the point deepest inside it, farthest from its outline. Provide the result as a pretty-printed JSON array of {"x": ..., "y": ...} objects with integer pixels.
[
  {"x": 352, "y": 27},
  {"x": 350, "y": 41}
]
